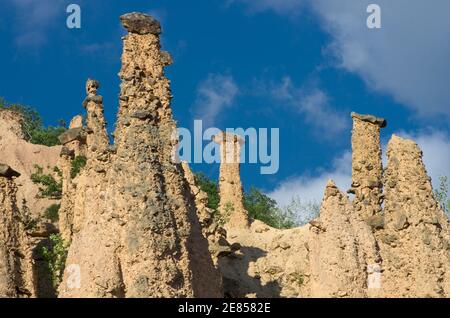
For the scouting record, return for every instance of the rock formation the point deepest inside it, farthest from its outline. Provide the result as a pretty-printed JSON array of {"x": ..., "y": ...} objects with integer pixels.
[
  {"x": 137, "y": 225},
  {"x": 139, "y": 234},
  {"x": 367, "y": 169},
  {"x": 231, "y": 194},
  {"x": 415, "y": 239},
  {"x": 16, "y": 265},
  {"x": 16, "y": 152},
  {"x": 354, "y": 248}
]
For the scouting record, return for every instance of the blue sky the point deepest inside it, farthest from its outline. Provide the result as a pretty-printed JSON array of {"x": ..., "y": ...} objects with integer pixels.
[{"x": 298, "y": 65}]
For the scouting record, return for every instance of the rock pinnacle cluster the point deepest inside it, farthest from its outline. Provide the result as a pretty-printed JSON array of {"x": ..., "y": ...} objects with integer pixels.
[{"x": 135, "y": 222}]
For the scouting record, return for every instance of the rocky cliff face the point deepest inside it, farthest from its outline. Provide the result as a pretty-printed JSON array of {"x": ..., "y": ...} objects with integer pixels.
[{"x": 23, "y": 157}]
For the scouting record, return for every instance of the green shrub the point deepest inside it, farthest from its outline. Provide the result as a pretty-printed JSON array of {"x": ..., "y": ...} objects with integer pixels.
[
  {"x": 442, "y": 195},
  {"x": 47, "y": 136},
  {"x": 210, "y": 188},
  {"x": 32, "y": 125},
  {"x": 265, "y": 209},
  {"x": 303, "y": 212},
  {"x": 55, "y": 256},
  {"x": 52, "y": 212},
  {"x": 77, "y": 164},
  {"x": 51, "y": 188},
  {"x": 258, "y": 205}
]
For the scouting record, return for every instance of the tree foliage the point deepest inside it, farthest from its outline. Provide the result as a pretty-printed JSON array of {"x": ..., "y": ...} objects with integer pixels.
[
  {"x": 51, "y": 188},
  {"x": 32, "y": 125},
  {"x": 258, "y": 205},
  {"x": 52, "y": 212},
  {"x": 55, "y": 256},
  {"x": 211, "y": 188},
  {"x": 78, "y": 163},
  {"x": 442, "y": 194}
]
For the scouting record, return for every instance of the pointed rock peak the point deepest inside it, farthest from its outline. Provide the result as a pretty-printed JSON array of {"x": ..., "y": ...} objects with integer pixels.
[
  {"x": 331, "y": 190},
  {"x": 397, "y": 142},
  {"x": 371, "y": 119},
  {"x": 140, "y": 23},
  {"x": 76, "y": 122}
]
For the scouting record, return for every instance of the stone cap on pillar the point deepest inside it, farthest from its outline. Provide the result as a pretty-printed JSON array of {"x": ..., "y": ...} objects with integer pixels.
[
  {"x": 381, "y": 122},
  {"x": 92, "y": 86},
  {"x": 223, "y": 137},
  {"x": 7, "y": 172},
  {"x": 140, "y": 23}
]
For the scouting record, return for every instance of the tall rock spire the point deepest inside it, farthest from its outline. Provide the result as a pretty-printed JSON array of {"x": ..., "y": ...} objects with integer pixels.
[
  {"x": 16, "y": 267},
  {"x": 416, "y": 239},
  {"x": 231, "y": 194},
  {"x": 145, "y": 227},
  {"x": 367, "y": 168}
]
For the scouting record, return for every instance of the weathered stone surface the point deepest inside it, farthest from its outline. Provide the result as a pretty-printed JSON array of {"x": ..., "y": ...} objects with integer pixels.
[
  {"x": 166, "y": 58},
  {"x": 16, "y": 266},
  {"x": 381, "y": 122},
  {"x": 7, "y": 172},
  {"x": 367, "y": 169},
  {"x": 231, "y": 204},
  {"x": 72, "y": 134},
  {"x": 417, "y": 264},
  {"x": 140, "y": 23},
  {"x": 135, "y": 228}
]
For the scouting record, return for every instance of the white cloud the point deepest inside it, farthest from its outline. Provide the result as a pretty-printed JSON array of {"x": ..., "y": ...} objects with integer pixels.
[
  {"x": 312, "y": 103},
  {"x": 214, "y": 94},
  {"x": 407, "y": 58},
  {"x": 311, "y": 188},
  {"x": 33, "y": 19},
  {"x": 436, "y": 153}
]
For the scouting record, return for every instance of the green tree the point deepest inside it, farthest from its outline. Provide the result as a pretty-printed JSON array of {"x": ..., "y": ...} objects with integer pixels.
[
  {"x": 50, "y": 187},
  {"x": 303, "y": 212},
  {"x": 265, "y": 209},
  {"x": 78, "y": 163},
  {"x": 32, "y": 125},
  {"x": 261, "y": 207},
  {"x": 442, "y": 194},
  {"x": 55, "y": 256},
  {"x": 52, "y": 212},
  {"x": 210, "y": 188}
]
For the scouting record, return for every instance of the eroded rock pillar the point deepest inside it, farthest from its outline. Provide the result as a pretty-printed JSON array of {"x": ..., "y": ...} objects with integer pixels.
[
  {"x": 231, "y": 193},
  {"x": 416, "y": 239},
  {"x": 367, "y": 168},
  {"x": 16, "y": 264}
]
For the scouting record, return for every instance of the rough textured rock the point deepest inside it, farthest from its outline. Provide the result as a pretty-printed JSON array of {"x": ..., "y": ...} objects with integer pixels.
[
  {"x": 215, "y": 234},
  {"x": 139, "y": 235},
  {"x": 231, "y": 204},
  {"x": 338, "y": 268},
  {"x": 16, "y": 265},
  {"x": 415, "y": 241},
  {"x": 353, "y": 249},
  {"x": 140, "y": 23},
  {"x": 367, "y": 169},
  {"x": 138, "y": 226},
  {"x": 23, "y": 156}
]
